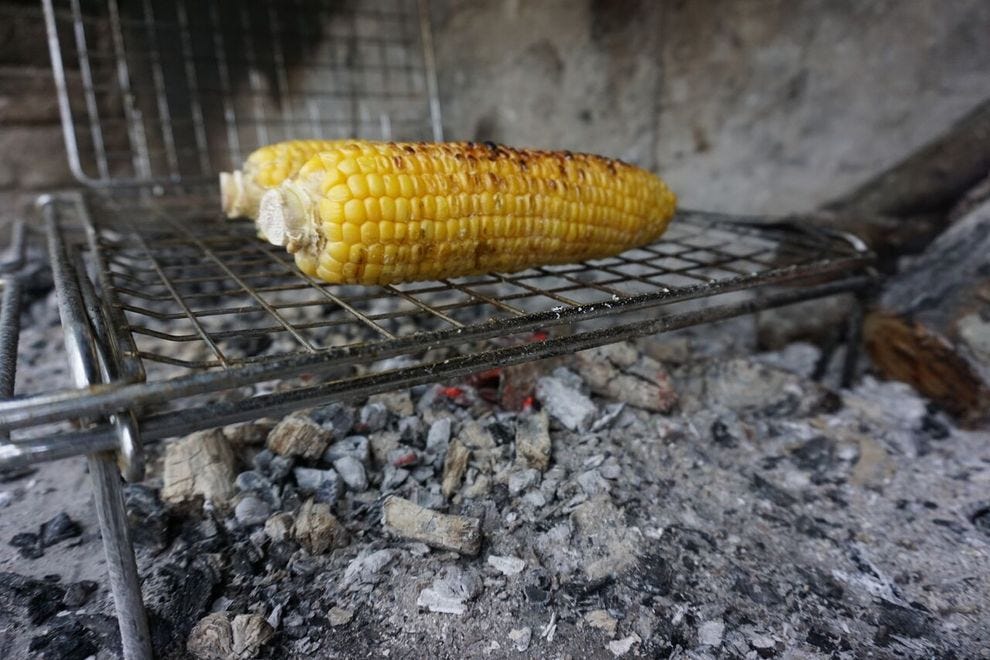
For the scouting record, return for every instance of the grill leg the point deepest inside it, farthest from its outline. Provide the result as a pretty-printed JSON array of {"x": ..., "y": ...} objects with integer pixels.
[
  {"x": 121, "y": 565},
  {"x": 854, "y": 340}
]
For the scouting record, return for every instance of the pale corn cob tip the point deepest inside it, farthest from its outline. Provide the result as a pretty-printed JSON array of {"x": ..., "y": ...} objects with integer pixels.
[
  {"x": 232, "y": 194},
  {"x": 377, "y": 213},
  {"x": 283, "y": 218},
  {"x": 241, "y": 190}
]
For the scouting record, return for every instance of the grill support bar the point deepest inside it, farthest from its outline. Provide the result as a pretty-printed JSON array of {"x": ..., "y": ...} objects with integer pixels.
[{"x": 104, "y": 474}]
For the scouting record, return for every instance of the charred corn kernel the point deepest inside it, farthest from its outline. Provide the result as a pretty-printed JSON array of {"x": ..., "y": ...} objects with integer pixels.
[
  {"x": 241, "y": 190},
  {"x": 377, "y": 213}
]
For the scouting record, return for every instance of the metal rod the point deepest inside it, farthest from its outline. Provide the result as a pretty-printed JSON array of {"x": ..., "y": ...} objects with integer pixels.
[
  {"x": 195, "y": 108},
  {"x": 180, "y": 301},
  {"x": 10, "y": 327},
  {"x": 83, "y": 364},
  {"x": 281, "y": 78},
  {"x": 429, "y": 64},
  {"x": 13, "y": 258},
  {"x": 64, "y": 104},
  {"x": 291, "y": 267},
  {"x": 229, "y": 114},
  {"x": 135, "y": 122},
  {"x": 130, "y": 451},
  {"x": 135, "y": 639},
  {"x": 120, "y": 343},
  {"x": 158, "y": 77},
  {"x": 854, "y": 339},
  {"x": 248, "y": 290},
  {"x": 53, "y": 448},
  {"x": 258, "y": 93}
]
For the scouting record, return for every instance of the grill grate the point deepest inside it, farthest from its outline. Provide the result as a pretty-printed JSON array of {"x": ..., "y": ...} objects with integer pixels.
[
  {"x": 198, "y": 292},
  {"x": 193, "y": 304}
]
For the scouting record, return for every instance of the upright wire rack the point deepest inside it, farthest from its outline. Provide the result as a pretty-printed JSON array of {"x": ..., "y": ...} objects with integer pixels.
[
  {"x": 155, "y": 92},
  {"x": 166, "y": 307}
]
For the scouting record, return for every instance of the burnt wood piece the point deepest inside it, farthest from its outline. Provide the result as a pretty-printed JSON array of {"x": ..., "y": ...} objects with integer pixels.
[
  {"x": 902, "y": 209},
  {"x": 932, "y": 324}
]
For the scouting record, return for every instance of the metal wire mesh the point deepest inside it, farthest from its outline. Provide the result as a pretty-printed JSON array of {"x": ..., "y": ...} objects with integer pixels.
[
  {"x": 194, "y": 307},
  {"x": 197, "y": 292},
  {"x": 172, "y": 92}
]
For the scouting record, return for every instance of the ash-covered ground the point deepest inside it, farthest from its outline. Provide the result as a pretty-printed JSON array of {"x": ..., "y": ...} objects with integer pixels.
[{"x": 677, "y": 497}]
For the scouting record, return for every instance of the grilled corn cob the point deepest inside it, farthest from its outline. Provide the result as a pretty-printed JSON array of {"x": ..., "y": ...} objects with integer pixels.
[
  {"x": 379, "y": 213},
  {"x": 241, "y": 190}
]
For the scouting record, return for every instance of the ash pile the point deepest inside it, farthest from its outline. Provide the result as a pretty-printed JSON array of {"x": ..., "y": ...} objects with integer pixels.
[{"x": 667, "y": 497}]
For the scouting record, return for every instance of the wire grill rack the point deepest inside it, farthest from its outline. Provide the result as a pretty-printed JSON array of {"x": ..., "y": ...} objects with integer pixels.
[
  {"x": 198, "y": 292},
  {"x": 191, "y": 304}
]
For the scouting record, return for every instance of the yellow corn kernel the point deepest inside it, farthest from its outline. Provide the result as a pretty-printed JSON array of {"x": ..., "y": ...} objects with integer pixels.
[
  {"x": 369, "y": 233},
  {"x": 331, "y": 211},
  {"x": 387, "y": 205},
  {"x": 402, "y": 212},
  {"x": 372, "y": 210},
  {"x": 376, "y": 253},
  {"x": 340, "y": 193},
  {"x": 376, "y": 185},
  {"x": 386, "y": 212},
  {"x": 358, "y": 185},
  {"x": 352, "y": 233},
  {"x": 354, "y": 211}
]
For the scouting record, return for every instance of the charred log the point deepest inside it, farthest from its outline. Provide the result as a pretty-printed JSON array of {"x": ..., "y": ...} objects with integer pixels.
[
  {"x": 932, "y": 327},
  {"x": 902, "y": 209}
]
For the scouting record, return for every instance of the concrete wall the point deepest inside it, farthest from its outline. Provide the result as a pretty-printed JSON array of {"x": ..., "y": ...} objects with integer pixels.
[
  {"x": 744, "y": 105},
  {"x": 32, "y": 153}
]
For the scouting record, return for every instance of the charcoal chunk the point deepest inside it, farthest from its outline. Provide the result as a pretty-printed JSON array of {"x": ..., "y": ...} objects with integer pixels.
[
  {"x": 59, "y": 528},
  {"x": 40, "y": 598},
  {"x": 69, "y": 641}
]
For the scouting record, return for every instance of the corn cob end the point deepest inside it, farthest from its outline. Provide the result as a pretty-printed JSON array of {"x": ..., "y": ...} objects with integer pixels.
[
  {"x": 282, "y": 217},
  {"x": 232, "y": 194}
]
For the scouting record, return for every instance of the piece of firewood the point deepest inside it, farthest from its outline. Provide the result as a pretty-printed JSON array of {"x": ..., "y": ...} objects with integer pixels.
[
  {"x": 903, "y": 208},
  {"x": 932, "y": 325},
  {"x": 439, "y": 530}
]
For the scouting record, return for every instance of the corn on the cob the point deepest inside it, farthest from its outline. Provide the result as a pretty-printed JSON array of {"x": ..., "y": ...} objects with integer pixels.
[
  {"x": 241, "y": 190},
  {"x": 379, "y": 213}
]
